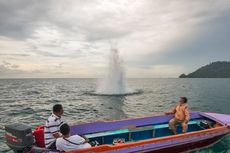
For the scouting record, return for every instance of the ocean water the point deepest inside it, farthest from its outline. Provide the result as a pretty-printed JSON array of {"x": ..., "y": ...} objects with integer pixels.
[{"x": 30, "y": 101}]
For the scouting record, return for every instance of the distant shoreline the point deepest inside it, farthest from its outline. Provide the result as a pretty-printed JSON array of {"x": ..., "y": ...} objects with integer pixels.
[{"x": 219, "y": 69}]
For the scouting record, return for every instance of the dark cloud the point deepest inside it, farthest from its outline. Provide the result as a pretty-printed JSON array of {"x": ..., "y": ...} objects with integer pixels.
[
  {"x": 209, "y": 43},
  {"x": 45, "y": 28},
  {"x": 21, "y": 19},
  {"x": 18, "y": 19}
]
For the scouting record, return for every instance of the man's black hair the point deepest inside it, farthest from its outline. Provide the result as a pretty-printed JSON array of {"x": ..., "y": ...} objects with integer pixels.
[
  {"x": 65, "y": 129},
  {"x": 57, "y": 108},
  {"x": 185, "y": 99}
]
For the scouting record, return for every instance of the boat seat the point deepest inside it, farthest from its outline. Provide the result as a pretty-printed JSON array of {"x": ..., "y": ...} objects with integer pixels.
[{"x": 167, "y": 125}]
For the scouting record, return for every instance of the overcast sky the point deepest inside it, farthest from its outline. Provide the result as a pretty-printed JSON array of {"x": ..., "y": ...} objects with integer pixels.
[{"x": 72, "y": 38}]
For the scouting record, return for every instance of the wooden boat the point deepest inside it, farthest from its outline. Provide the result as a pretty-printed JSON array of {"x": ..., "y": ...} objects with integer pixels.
[{"x": 152, "y": 134}]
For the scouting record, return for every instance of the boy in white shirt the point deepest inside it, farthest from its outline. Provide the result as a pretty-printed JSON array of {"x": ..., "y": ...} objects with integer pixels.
[{"x": 67, "y": 142}]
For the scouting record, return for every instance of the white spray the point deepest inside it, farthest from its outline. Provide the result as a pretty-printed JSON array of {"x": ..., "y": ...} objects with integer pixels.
[{"x": 114, "y": 82}]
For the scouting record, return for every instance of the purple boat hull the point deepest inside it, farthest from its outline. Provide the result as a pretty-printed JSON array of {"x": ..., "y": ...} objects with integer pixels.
[
  {"x": 145, "y": 134},
  {"x": 187, "y": 146},
  {"x": 171, "y": 144}
]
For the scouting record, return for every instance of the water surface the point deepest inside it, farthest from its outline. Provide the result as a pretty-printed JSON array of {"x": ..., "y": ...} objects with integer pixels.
[{"x": 29, "y": 101}]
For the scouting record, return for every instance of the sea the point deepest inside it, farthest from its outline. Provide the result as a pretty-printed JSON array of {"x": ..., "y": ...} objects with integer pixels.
[{"x": 30, "y": 101}]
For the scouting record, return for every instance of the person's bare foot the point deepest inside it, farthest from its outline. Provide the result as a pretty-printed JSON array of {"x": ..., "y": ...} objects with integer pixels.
[{"x": 174, "y": 132}]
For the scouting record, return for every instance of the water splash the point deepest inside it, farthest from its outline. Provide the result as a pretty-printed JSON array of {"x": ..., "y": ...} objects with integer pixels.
[{"x": 114, "y": 82}]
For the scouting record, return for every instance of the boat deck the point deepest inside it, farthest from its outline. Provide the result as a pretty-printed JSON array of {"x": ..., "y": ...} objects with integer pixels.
[{"x": 131, "y": 134}]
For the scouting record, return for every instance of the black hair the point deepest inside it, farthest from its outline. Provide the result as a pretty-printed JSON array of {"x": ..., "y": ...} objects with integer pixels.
[
  {"x": 57, "y": 108},
  {"x": 185, "y": 99},
  {"x": 64, "y": 129}
]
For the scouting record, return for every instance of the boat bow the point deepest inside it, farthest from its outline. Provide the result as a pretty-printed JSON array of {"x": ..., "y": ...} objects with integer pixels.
[{"x": 221, "y": 118}]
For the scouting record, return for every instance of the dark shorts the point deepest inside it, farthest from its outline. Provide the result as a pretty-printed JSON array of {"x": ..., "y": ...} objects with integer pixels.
[{"x": 53, "y": 146}]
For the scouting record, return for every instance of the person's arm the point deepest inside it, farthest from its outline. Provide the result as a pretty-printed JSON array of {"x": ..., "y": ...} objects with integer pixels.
[
  {"x": 80, "y": 139},
  {"x": 59, "y": 146},
  {"x": 173, "y": 111},
  {"x": 54, "y": 129},
  {"x": 187, "y": 115},
  {"x": 57, "y": 135},
  {"x": 86, "y": 139}
]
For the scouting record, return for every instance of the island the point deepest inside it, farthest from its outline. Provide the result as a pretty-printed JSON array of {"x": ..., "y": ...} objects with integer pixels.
[{"x": 219, "y": 69}]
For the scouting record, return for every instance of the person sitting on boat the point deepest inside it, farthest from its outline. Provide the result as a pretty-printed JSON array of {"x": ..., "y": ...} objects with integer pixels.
[
  {"x": 52, "y": 127},
  {"x": 181, "y": 116},
  {"x": 68, "y": 143}
]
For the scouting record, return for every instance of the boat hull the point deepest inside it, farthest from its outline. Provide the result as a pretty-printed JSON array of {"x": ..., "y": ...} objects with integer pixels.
[
  {"x": 158, "y": 144},
  {"x": 148, "y": 134},
  {"x": 187, "y": 146}
]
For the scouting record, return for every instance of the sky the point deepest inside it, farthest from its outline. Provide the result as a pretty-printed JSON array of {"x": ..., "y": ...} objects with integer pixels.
[{"x": 72, "y": 38}]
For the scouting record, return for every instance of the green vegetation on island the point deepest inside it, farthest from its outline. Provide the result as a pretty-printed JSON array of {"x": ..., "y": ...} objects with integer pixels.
[{"x": 220, "y": 69}]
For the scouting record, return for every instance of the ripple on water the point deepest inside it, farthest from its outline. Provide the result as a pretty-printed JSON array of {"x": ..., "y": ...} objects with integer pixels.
[
  {"x": 53, "y": 101},
  {"x": 32, "y": 93},
  {"x": 19, "y": 111}
]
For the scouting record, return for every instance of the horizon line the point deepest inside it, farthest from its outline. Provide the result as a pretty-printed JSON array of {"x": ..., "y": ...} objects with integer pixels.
[{"x": 86, "y": 78}]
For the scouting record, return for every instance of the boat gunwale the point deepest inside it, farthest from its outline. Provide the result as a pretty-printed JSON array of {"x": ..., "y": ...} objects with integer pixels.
[
  {"x": 135, "y": 119},
  {"x": 125, "y": 119}
]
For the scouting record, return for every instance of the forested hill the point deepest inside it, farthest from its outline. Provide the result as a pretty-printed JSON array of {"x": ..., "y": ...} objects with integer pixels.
[{"x": 213, "y": 70}]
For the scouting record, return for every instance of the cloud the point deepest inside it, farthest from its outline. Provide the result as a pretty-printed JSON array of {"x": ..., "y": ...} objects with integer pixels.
[
  {"x": 21, "y": 55},
  {"x": 77, "y": 33},
  {"x": 9, "y": 70},
  {"x": 18, "y": 19},
  {"x": 12, "y": 70},
  {"x": 207, "y": 44},
  {"x": 99, "y": 20},
  {"x": 21, "y": 19},
  {"x": 6, "y": 66}
]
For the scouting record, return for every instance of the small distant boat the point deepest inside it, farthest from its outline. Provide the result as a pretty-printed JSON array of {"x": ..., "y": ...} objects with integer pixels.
[{"x": 145, "y": 134}]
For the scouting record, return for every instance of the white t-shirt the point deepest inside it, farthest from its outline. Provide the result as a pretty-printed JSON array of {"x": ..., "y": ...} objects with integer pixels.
[
  {"x": 51, "y": 127},
  {"x": 72, "y": 143}
]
